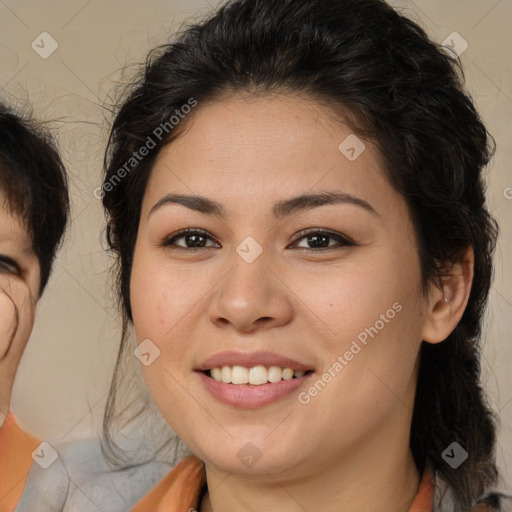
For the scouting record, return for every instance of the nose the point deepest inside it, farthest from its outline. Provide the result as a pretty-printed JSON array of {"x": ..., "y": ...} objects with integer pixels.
[{"x": 251, "y": 297}]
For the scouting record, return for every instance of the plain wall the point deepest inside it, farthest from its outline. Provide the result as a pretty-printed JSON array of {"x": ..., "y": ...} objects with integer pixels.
[{"x": 64, "y": 377}]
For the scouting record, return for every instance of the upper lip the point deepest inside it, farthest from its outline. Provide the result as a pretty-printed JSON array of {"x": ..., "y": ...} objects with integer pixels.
[{"x": 251, "y": 359}]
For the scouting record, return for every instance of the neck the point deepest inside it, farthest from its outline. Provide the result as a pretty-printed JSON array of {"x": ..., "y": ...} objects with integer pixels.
[{"x": 375, "y": 476}]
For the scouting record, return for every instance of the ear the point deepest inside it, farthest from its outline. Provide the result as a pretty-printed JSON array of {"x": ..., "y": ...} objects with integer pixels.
[{"x": 446, "y": 305}]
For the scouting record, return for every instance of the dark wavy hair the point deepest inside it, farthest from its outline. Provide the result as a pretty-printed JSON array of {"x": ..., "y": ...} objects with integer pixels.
[
  {"x": 393, "y": 86},
  {"x": 35, "y": 184}
]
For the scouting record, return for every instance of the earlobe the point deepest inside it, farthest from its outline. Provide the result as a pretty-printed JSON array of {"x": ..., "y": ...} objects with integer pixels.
[{"x": 447, "y": 304}]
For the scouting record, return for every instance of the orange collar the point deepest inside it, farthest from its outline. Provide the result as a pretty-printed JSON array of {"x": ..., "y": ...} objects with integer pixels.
[
  {"x": 179, "y": 491},
  {"x": 16, "y": 447}
]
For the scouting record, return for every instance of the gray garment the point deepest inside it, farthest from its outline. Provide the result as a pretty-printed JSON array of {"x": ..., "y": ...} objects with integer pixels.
[{"x": 80, "y": 480}]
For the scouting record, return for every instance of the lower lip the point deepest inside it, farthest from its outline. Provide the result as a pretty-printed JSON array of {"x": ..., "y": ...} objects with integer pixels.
[{"x": 249, "y": 396}]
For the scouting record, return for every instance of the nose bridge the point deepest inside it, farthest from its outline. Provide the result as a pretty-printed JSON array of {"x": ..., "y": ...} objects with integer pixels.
[
  {"x": 249, "y": 275},
  {"x": 250, "y": 291}
]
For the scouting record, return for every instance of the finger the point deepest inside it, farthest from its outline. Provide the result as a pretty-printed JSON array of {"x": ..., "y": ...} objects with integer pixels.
[
  {"x": 19, "y": 292},
  {"x": 8, "y": 323},
  {"x": 22, "y": 309}
]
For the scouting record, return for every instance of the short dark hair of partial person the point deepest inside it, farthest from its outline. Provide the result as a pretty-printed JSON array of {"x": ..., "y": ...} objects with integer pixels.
[{"x": 34, "y": 182}]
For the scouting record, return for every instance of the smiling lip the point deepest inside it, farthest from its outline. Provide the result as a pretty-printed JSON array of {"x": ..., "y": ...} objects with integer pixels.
[
  {"x": 248, "y": 396},
  {"x": 249, "y": 360}
]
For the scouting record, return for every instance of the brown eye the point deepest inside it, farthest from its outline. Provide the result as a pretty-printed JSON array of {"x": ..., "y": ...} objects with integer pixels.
[
  {"x": 320, "y": 240},
  {"x": 194, "y": 238},
  {"x": 197, "y": 239}
]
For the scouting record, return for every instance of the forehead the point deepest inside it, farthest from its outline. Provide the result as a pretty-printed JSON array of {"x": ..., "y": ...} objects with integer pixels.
[
  {"x": 248, "y": 149},
  {"x": 13, "y": 230}
]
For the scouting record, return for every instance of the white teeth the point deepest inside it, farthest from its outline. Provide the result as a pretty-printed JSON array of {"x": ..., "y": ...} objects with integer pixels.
[
  {"x": 257, "y": 375},
  {"x": 217, "y": 374},
  {"x": 239, "y": 375},
  {"x": 287, "y": 374},
  {"x": 275, "y": 374},
  {"x": 226, "y": 374}
]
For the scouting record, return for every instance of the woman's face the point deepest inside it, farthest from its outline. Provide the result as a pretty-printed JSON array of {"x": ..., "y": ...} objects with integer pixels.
[{"x": 260, "y": 284}]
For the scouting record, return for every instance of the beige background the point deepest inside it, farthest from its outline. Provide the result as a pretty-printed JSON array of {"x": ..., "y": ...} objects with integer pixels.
[{"x": 63, "y": 381}]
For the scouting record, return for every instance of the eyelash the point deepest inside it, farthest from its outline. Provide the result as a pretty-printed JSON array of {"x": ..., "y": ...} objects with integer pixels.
[
  {"x": 5, "y": 263},
  {"x": 342, "y": 240}
]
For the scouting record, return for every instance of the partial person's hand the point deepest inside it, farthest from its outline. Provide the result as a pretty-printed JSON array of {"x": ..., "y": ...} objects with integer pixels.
[{"x": 17, "y": 314}]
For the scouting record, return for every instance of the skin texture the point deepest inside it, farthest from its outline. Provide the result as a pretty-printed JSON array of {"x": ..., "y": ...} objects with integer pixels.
[
  {"x": 349, "y": 445},
  {"x": 19, "y": 289}
]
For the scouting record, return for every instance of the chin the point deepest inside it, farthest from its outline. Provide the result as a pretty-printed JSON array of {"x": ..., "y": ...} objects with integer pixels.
[{"x": 248, "y": 455}]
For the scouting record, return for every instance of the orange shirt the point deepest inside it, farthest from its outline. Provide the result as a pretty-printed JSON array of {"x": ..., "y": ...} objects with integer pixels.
[
  {"x": 179, "y": 491},
  {"x": 16, "y": 447}
]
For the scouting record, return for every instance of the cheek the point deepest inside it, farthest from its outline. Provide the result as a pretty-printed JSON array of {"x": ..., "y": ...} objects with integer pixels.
[
  {"x": 371, "y": 318},
  {"x": 161, "y": 298},
  {"x": 151, "y": 296},
  {"x": 144, "y": 290},
  {"x": 164, "y": 300},
  {"x": 352, "y": 296},
  {"x": 156, "y": 308}
]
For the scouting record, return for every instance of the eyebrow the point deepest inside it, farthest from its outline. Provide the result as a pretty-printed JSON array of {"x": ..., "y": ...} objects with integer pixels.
[
  {"x": 6, "y": 238},
  {"x": 279, "y": 210}
]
